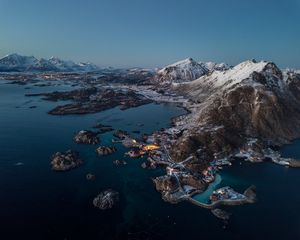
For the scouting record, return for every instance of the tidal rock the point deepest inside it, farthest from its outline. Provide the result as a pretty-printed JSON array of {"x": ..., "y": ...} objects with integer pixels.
[
  {"x": 103, "y": 150},
  {"x": 86, "y": 137},
  {"x": 144, "y": 165},
  {"x": 120, "y": 134},
  {"x": 65, "y": 161},
  {"x": 106, "y": 199},
  {"x": 90, "y": 177},
  {"x": 294, "y": 163},
  {"x": 103, "y": 128},
  {"x": 221, "y": 214},
  {"x": 119, "y": 162}
]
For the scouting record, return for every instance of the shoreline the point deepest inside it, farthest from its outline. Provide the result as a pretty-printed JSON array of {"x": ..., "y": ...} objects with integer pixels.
[{"x": 248, "y": 193}]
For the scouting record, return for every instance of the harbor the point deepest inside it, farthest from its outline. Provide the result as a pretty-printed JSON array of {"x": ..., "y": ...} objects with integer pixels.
[{"x": 180, "y": 183}]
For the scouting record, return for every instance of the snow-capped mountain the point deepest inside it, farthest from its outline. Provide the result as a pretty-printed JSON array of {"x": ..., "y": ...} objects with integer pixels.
[
  {"x": 182, "y": 71},
  {"x": 18, "y": 63},
  {"x": 187, "y": 70},
  {"x": 15, "y": 62},
  {"x": 243, "y": 73},
  {"x": 251, "y": 100}
]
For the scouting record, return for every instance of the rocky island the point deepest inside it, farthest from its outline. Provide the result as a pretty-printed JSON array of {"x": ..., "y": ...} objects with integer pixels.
[
  {"x": 92, "y": 100},
  {"x": 106, "y": 199},
  {"x": 105, "y": 150},
  {"x": 64, "y": 161},
  {"x": 86, "y": 137}
]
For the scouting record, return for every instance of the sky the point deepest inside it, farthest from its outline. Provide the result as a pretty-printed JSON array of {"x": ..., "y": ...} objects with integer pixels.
[{"x": 153, "y": 33}]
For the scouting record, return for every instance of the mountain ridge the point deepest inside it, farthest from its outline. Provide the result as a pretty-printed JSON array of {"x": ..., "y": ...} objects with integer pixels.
[
  {"x": 19, "y": 63},
  {"x": 253, "y": 100},
  {"x": 186, "y": 70}
]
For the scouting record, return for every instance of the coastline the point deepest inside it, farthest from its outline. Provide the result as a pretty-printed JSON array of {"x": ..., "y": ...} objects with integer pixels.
[{"x": 250, "y": 198}]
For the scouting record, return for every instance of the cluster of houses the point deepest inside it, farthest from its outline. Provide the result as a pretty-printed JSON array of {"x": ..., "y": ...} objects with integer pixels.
[
  {"x": 226, "y": 193},
  {"x": 156, "y": 148}
]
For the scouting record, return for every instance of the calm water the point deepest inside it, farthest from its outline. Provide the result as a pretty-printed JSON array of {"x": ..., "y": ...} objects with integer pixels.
[
  {"x": 204, "y": 197},
  {"x": 37, "y": 203}
]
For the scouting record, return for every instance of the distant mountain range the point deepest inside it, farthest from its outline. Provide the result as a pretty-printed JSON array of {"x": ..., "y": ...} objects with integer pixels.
[{"x": 18, "y": 63}]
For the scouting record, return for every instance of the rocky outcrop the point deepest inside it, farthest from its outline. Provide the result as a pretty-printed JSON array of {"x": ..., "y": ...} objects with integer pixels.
[
  {"x": 106, "y": 199},
  {"x": 120, "y": 134},
  {"x": 86, "y": 137},
  {"x": 165, "y": 183},
  {"x": 64, "y": 161},
  {"x": 193, "y": 181},
  {"x": 294, "y": 163},
  {"x": 104, "y": 151},
  {"x": 103, "y": 128},
  {"x": 90, "y": 177},
  {"x": 221, "y": 214},
  {"x": 119, "y": 162}
]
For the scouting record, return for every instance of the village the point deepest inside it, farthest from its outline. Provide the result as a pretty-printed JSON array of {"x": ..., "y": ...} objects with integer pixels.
[{"x": 179, "y": 183}]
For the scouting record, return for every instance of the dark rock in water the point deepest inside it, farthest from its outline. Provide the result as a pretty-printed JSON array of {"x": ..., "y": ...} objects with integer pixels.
[
  {"x": 103, "y": 150},
  {"x": 90, "y": 177},
  {"x": 65, "y": 161},
  {"x": 120, "y": 134},
  {"x": 144, "y": 165},
  {"x": 250, "y": 193},
  {"x": 99, "y": 125},
  {"x": 86, "y": 137},
  {"x": 103, "y": 128},
  {"x": 42, "y": 85},
  {"x": 136, "y": 131},
  {"x": 119, "y": 162},
  {"x": 294, "y": 163},
  {"x": 219, "y": 213},
  {"x": 106, "y": 199}
]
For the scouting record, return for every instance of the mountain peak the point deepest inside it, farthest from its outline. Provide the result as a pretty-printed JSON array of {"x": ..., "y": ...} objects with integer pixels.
[
  {"x": 183, "y": 62},
  {"x": 181, "y": 71}
]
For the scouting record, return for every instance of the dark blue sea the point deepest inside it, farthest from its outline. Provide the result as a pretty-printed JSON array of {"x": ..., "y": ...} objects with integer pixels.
[{"x": 37, "y": 203}]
